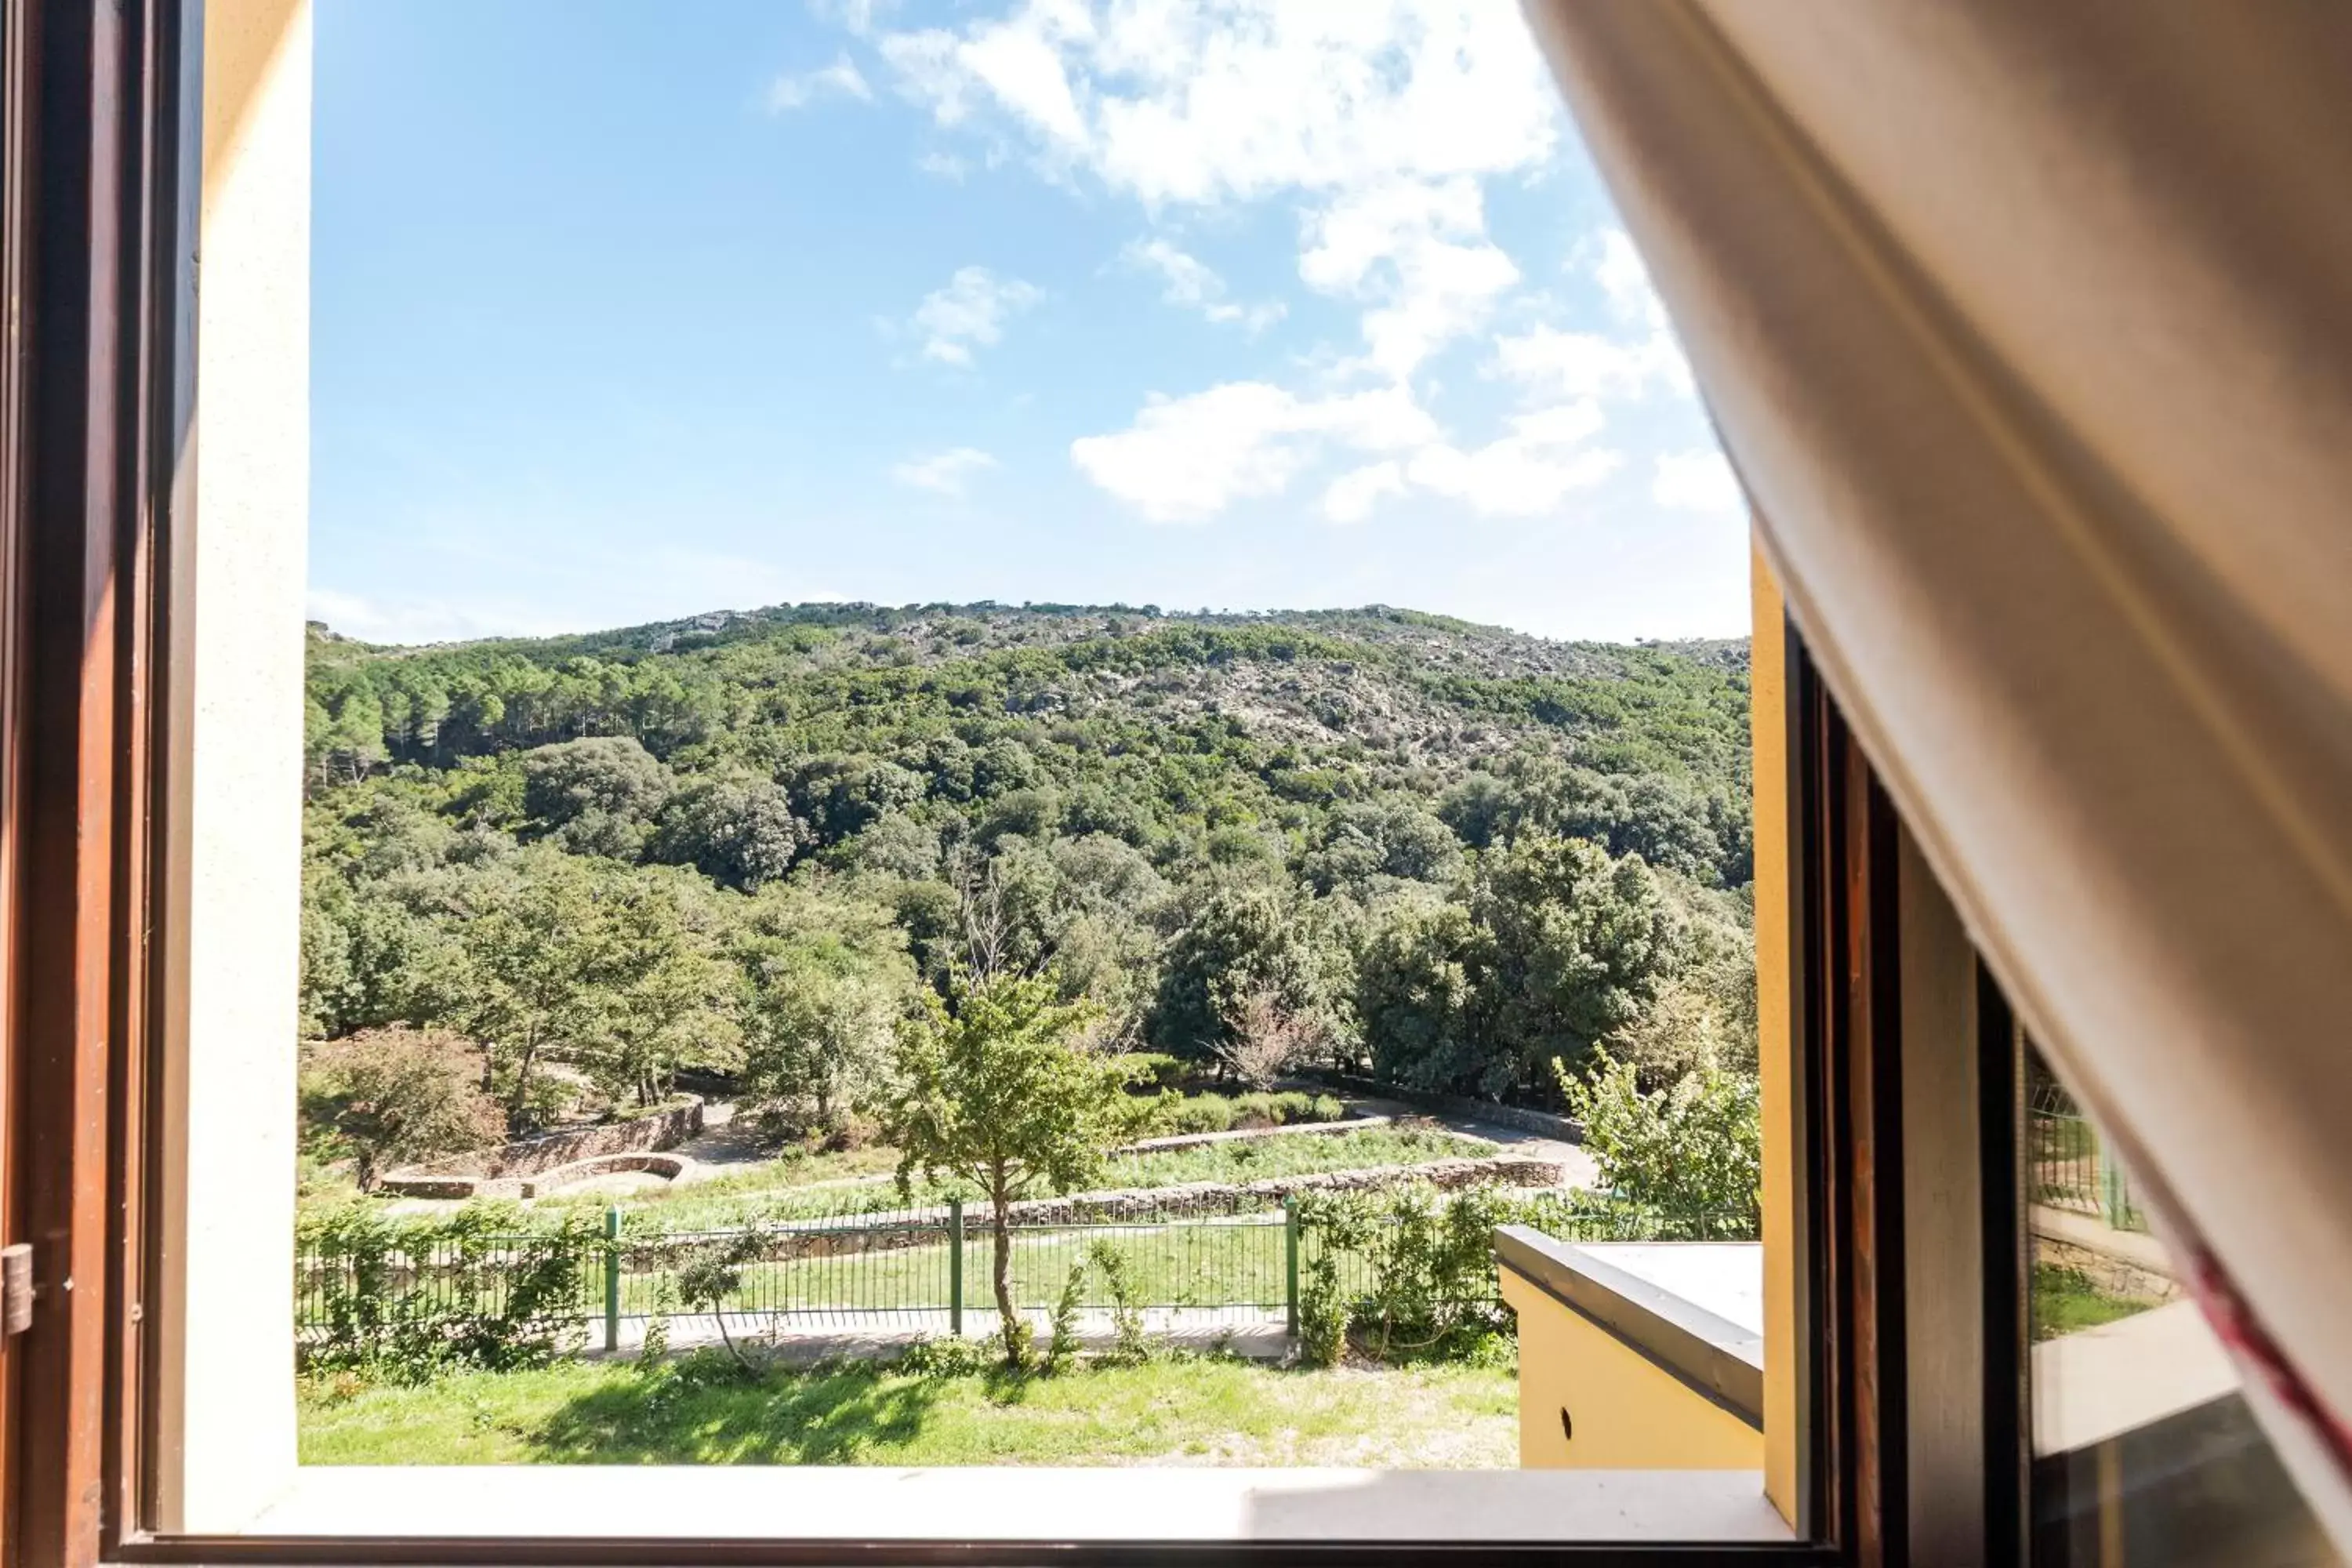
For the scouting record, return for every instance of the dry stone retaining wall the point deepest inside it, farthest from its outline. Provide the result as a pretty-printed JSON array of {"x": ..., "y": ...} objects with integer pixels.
[
  {"x": 855, "y": 1234},
  {"x": 499, "y": 1173}
]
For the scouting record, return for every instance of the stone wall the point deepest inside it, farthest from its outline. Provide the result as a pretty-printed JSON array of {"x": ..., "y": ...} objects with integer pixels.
[
  {"x": 1242, "y": 1197},
  {"x": 852, "y": 1234},
  {"x": 471, "y": 1175}
]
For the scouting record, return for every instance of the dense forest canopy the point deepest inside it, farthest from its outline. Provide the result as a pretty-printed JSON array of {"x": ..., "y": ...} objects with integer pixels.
[{"x": 1440, "y": 853}]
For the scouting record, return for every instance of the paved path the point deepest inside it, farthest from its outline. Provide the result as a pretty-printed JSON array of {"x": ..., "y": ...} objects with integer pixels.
[
  {"x": 1239, "y": 1331},
  {"x": 1573, "y": 1160}
]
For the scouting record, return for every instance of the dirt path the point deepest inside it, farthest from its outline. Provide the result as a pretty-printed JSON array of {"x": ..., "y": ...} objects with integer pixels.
[
  {"x": 1573, "y": 1160},
  {"x": 725, "y": 1142}
]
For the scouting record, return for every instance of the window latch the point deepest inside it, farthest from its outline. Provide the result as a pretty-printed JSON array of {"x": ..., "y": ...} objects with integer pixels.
[{"x": 16, "y": 1288}]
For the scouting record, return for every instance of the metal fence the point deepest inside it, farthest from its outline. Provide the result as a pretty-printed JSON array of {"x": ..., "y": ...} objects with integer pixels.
[
  {"x": 2068, "y": 1165},
  {"x": 912, "y": 1267},
  {"x": 925, "y": 1267}
]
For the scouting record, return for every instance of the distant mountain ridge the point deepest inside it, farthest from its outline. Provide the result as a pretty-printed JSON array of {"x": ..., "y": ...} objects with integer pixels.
[
  {"x": 1377, "y": 676},
  {"x": 1460, "y": 851}
]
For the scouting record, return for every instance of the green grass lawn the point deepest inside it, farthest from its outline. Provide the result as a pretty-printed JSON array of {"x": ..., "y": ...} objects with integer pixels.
[
  {"x": 790, "y": 1189},
  {"x": 699, "y": 1410},
  {"x": 2067, "y": 1300}
]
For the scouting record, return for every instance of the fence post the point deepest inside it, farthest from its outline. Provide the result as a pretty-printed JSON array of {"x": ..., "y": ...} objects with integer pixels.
[
  {"x": 2115, "y": 1204},
  {"x": 955, "y": 1267},
  {"x": 611, "y": 1278},
  {"x": 1290, "y": 1261}
]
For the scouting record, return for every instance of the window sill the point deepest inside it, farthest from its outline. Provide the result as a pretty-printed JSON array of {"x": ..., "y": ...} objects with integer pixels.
[{"x": 848, "y": 1503}]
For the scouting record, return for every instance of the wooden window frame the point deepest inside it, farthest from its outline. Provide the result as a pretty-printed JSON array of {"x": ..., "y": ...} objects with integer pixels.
[{"x": 100, "y": 116}]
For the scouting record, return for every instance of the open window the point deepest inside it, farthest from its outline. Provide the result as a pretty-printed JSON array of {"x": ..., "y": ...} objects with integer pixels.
[{"x": 1857, "y": 1371}]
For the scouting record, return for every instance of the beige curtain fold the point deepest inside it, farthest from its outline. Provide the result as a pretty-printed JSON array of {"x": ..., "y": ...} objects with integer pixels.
[{"x": 2028, "y": 328}]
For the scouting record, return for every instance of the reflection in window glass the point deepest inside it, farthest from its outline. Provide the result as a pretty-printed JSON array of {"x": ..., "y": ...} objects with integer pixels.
[{"x": 2145, "y": 1451}]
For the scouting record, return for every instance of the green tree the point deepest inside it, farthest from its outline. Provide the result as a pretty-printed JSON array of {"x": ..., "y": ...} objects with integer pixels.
[
  {"x": 396, "y": 1096},
  {"x": 540, "y": 970},
  {"x": 824, "y": 982},
  {"x": 1242, "y": 939},
  {"x": 1393, "y": 839},
  {"x": 736, "y": 827},
  {"x": 1693, "y": 1150},
  {"x": 1573, "y": 946},
  {"x": 660, "y": 994},
  {"x": 597, "y": 796},
  {"x": 1001, "y": 1086},
  {"x": 1412, "y": 993}
]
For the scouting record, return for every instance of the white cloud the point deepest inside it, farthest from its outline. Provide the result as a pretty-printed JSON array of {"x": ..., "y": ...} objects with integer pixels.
[
  {"x": 1380, "y": 121},
  {"x": 1351, "y": 497},
  {"x": 1696, "y": 481},
  {"x": 373, "y": 619},
  {"x": 1188, "y": 458},
  {"x": 970, "y": 311},
  {"x": 1193, "y": 283},
  {"x": 1240, "y": 98},
  {"x": 949, "y": 473},
  {"x": 1625, "y": 281},
  {"x": 1545, "y": 457},
  {"x": 1640, "y": 358},
  {"x": 1020, "y": 65},
  {"x": 858, "y": 15},
  {"x": 1551, "y": 363},
  {"x": 1419, "y": 252},
  {"x": 841, "y": 78},
  {"x": 944, "y": 165}
]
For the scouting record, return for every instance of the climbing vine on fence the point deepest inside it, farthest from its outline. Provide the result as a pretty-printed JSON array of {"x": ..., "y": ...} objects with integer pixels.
[{"x": 403, "y": 1299}]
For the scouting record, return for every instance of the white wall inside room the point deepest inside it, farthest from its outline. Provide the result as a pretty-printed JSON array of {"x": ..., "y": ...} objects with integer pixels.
[{"x": 227, "y": 1393}]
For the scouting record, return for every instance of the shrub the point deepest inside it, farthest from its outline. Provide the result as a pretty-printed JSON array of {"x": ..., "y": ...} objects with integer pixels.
[
  {"x": 1063, "y": 1347},
  {"x": 1132, "y": 1347},
  {"x": 1426, "y": 1261},
  {"x": 1429, "y": 1262},
  {"x": 1156, "y": 1070},
  {"x": 1692, "y": 1150},
  {"x": 946, "y": 1358},
  {"x": 1322, "y": 1313},
  {"x": 1286, "y": 1109},
  {"x": 397, "y": 1095},
  {"x": 1201, "y": 1113},
  {"x": 1222, "y": 1112},
  {"x": 404, "y": 1300}
]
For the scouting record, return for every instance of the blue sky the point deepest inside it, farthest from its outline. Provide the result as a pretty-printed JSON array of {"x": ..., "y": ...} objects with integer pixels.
[{"x": 626, "y": 309}]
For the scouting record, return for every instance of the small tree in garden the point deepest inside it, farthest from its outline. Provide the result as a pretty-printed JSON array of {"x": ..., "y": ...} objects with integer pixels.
[
  {"x": 1693, "y": 1150},
  {"x": 1004, "y": 1088},
  {"x": 714, "y": 1271},
  {"x": 1263, "y": 1040},
  {"x": 398, "y": 1095}
]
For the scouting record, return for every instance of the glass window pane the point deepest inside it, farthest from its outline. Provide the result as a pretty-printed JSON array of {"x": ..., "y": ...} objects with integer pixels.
[{"x": 2145, "y": 1451}]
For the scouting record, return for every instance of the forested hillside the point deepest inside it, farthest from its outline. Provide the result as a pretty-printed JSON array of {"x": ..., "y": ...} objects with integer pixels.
[{"x": 1437, "y": 852}]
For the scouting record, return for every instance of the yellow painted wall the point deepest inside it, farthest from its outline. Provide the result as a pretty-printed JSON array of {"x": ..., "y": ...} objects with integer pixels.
[
  {"x": 1629, "y": 1414},
  {"x": 1775, "y": 1054}
]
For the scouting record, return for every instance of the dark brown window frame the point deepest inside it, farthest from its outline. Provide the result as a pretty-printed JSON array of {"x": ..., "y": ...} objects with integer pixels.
[{"x": 100, "y": 115}]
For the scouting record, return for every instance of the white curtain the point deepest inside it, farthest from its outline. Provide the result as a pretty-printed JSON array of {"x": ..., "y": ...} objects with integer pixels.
[{"x": 2028, "y": 328}]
